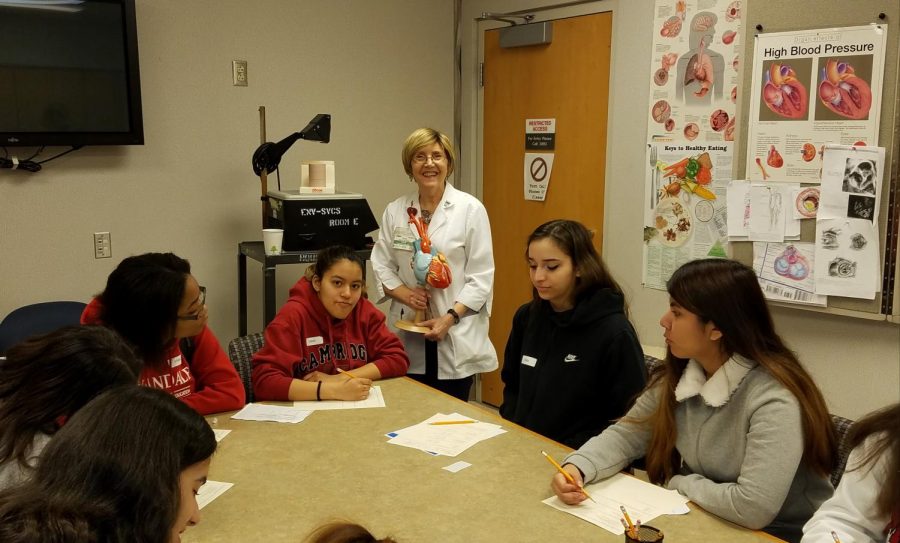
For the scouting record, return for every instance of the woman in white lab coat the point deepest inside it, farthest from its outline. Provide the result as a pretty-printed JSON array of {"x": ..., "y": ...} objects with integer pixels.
[{"x": 457, "y": 345}]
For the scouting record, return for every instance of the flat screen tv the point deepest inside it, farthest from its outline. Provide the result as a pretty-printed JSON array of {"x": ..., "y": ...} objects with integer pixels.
[{"x": 69, "y": 73}]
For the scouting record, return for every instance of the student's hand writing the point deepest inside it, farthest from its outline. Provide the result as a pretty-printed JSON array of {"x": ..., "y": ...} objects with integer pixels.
[
  {"x": 439, "y": 327},
  {"x": 349, "y": 389},
  {"x": 567, "y": 492}
]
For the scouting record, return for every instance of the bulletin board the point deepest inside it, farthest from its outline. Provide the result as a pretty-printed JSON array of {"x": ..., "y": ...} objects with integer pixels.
[{"x": 764, "y": 16}]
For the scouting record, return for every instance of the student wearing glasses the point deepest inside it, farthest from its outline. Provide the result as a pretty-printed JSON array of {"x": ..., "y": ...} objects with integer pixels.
[
  {"x": 457, "y": 346},
  {"x": 154, "y": 302}
]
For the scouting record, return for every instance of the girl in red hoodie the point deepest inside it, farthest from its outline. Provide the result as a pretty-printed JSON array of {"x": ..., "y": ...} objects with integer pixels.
[
  {"x": 154, "y": 302},
  {"x": 325, "y": 328}
]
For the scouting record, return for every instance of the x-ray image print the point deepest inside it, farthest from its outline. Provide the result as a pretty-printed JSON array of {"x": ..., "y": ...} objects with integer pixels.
[{"x": 859, "y": 176}]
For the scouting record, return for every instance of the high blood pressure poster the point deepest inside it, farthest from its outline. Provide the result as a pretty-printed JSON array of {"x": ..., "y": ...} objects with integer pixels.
[{"x": 811, "y": 88}]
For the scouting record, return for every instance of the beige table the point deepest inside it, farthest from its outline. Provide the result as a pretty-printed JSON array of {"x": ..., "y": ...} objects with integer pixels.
[{"x": 289, "y": 478}]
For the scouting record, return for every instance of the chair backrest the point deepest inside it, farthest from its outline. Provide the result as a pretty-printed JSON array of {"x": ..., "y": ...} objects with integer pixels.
[
  {"x": 651, "y": 362},
  {"x": 841, "y": 429},
  {"x": 241, "y": 351},
  {"x": 35, "y": 319}
]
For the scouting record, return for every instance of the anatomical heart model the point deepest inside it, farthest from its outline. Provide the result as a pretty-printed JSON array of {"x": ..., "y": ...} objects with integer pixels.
[{"x": 429, "y": 267}]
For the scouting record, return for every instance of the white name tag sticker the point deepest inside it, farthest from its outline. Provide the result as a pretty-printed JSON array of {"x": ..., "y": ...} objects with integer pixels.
[
  {"x": 403, "y": 238},
  {"x": 529, "y": 361},
  {"x": 175, "y": 361},
  {"x": 315, "y": 340}
]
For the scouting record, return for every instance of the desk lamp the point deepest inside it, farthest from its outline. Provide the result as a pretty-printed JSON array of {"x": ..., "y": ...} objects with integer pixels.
[{"x": 268, "y": 155}]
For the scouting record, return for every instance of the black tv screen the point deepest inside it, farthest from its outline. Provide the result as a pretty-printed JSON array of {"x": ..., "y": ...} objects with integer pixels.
[{"x": 69, "y": 73}]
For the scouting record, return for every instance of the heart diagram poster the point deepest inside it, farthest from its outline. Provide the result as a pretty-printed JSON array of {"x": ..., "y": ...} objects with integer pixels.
[
  {"x": 811, "y": 88},
  {"x": 693, "y": 79}
]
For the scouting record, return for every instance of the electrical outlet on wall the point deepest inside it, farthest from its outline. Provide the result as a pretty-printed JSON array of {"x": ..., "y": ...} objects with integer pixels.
[
  {"x": 239, "y": 73},
  {"x": 102, "y": 245}
]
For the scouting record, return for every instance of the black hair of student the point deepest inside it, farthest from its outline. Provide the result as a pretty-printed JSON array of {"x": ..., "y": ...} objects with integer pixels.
[
  {"x": 141, "y": 302},
  {"x": 884, "y": 428},
  {"x": 112, "y": 472},
  {"x": 330, "y": 256},
  {"x": 344, "y": 532},
  {"x": 726, "y": 293},
  {"x": 574, "y": 239},
  {"x": 47, "y": 378}
]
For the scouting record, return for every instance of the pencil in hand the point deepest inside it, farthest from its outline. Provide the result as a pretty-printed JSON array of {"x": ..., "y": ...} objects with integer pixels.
[
  {"x": 567, "y": 475},
  {"x": 347, "y": 373}
]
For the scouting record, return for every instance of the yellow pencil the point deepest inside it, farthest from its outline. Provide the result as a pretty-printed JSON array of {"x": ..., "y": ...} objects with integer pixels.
[
  {"x": 347, "y": 373},
  {"x": 627, "y": 518},
  {"x": 566, "y": 474},
  {"x": 452, "y": 422},
  {"x": 835, "y": 537}
]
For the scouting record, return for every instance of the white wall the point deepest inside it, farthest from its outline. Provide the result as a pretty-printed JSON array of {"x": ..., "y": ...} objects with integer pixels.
[
  {"x": 381, "y": 69},
  {"x": 855, "y": 362}
]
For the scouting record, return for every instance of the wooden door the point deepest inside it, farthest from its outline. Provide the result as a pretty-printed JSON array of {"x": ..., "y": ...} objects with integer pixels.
[{"x": 567, "y": 80}]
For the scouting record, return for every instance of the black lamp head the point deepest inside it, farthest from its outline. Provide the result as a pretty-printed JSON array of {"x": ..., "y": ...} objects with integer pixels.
[{"x": 268, "y": 155}]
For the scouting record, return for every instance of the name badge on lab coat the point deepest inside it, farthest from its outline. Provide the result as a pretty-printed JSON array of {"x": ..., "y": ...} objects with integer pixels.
[
  {"x": 529, "y": 361},
  {"x": 403, "y": 238}
]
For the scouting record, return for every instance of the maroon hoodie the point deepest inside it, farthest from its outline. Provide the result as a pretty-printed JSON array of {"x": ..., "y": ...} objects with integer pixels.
[{"x": 304, "y": 338}]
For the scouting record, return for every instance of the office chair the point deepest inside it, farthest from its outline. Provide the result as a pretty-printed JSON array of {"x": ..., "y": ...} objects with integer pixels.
[
  {"x": 241, "y": 351},
  {"x": 34, "y": 319}
]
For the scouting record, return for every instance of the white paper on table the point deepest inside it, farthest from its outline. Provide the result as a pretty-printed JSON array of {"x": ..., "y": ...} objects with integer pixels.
[
  {"x": 375, "y": 399},
  {"x": 447, "y": 439},
  {"x": 642, "y": 500},
  {"x": 738, "y": 208},
  {"x": 220, "y": 434},
  {"x": 271, "y": 413},
  {"x": 457, "y": 466},
  {"x": 210, "y": 491}
]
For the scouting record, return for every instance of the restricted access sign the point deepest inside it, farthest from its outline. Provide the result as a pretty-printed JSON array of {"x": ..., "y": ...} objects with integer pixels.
[
  {"x": 538, "y": 167},
  {"x": 540, "y": 134}
]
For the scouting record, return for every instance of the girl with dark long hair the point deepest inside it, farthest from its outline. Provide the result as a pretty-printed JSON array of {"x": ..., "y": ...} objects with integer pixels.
[
  {"x": 731, "y": 420},
  {"x": 125, "y": 469},
  {"x": 866, "y": 504},
  {"x": 574, "y": 331},
  {"x": 154, "y": 302},
  {"x": 45, "y": 379}
]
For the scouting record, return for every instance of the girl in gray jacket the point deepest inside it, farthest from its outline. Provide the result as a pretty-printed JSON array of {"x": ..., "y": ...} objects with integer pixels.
[{"x": 731, "y": 420}]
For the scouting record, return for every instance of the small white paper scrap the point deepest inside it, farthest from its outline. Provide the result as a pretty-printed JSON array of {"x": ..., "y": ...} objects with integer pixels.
[
  {"x": 210, "y": 491},
  {"x": 220, "y": 434},
  {"x": 273, "y": 413},
  {"x": 457, "y": 466}
]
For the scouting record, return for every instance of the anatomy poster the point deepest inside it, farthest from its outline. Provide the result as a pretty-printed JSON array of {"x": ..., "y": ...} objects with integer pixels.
[
  {"x": 785, "y": 272},
  {"x": 847, "y": 244},
  {"x": 688, "y": 219},
  {"x": 693, "y": 80},
  {"x": 811, "y": 88}
]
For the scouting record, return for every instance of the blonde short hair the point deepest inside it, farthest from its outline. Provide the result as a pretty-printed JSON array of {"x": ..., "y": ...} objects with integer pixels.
[{"x": 422, "y": 137}]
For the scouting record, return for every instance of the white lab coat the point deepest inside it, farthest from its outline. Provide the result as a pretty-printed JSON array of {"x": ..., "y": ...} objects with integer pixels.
[{"x": 460, "y": 230}]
